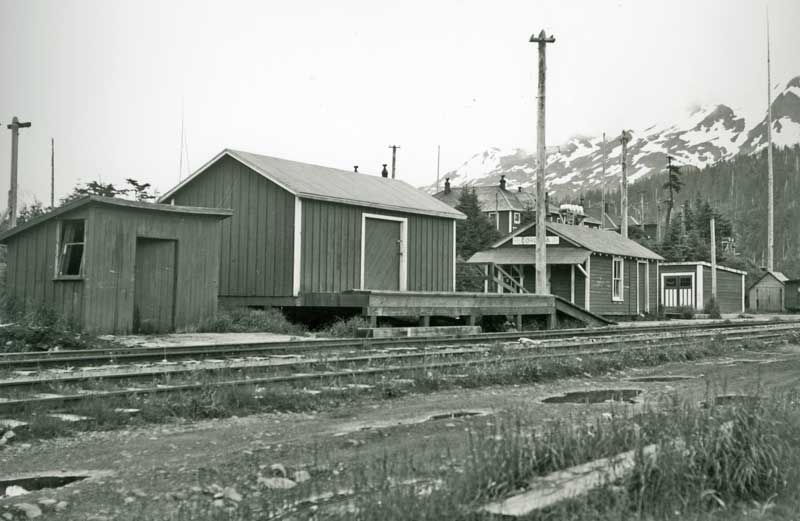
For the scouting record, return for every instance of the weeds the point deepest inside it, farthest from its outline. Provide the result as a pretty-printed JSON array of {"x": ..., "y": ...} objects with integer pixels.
[
  {"x": 247, "y": 320},
  {"x": 345, "y": 328}
]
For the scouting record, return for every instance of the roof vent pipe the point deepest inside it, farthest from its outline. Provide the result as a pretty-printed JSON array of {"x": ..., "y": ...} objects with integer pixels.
[
  {"x": 384, "y": 172},
  {"x": 447, "y": 185},
  {"x": 519, "y": 189},
  {"x": 355, "y": 168},
  {"x": 502, "y": 182}
]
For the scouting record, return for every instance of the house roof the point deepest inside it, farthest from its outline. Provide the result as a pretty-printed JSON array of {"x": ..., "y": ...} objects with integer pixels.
[
  {"x": 598, "y": 241},
  {"x": 113, "y": 201},
  {"x": 704, "y": 263},
  {"x": 609, "y": 220},
  {"x": 527, "y": 255},
  {"x": 492, "y": 198},
  {"x": 331, "y": 184}
]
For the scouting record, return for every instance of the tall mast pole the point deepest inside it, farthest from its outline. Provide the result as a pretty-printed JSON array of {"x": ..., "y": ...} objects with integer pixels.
[
  {"x": 625, "y": 137},
  {"x": 541, "y": 206},
  {"x": 394, "y": 158},
  {"x": 438, "y": 157},
  {"x": 770, "y": 178},
  {"x": 603, "y": 187},
  {"x": 14, "y": 126},
  {"x": 52, "y": 173}
]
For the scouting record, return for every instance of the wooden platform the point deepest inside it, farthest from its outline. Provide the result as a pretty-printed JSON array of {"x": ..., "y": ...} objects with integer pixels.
[{"x": 424, "y": 305}]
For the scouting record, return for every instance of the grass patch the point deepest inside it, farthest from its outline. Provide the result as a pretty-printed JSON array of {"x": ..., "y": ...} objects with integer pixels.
[
  {"x": 344, "y": 328},
  {"x": 40, "y": 330},
  {"x": 248, "y": 320}
]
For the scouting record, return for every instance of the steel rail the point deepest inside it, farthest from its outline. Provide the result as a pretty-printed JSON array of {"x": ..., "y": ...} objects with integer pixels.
[{"x": 43, "y": 359}]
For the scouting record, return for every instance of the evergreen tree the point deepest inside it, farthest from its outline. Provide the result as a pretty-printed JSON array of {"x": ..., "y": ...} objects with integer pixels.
[
  {"x": 673, "y": 185},
  {"x": 476, "y": 232}
]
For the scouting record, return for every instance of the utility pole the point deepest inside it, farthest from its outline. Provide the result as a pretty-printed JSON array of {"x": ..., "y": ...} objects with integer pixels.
[
  {"x": 394, "y": 158},
  {"x": 770, "y": 178},
  {"x": 713, "y": 259},
  {"x": 624, "y": 138},
  {"x": 438, "y": 157},
  {"x": 14, "y": 126},
  {"x": 658, "y": 215},
  {"x": 671, "y": 202},
  {"x": 603, "y": 205},
  {"x": 52, "y": 173},
  {"x": 541, "y": 207},
  {"x": 641, "y": 209}
]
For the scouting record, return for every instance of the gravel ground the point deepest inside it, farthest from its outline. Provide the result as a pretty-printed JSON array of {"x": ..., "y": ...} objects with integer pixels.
[{"x": 156, "y": 467}]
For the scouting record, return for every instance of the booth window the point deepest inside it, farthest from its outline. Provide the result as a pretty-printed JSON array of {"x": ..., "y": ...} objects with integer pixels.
[
  {"x": 71, "y": 247},
  {"x": 617, "y": 279}
]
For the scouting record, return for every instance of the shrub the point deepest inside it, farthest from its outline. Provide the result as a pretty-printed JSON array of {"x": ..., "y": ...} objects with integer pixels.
[
  {"x": 712, "y": 308},
  {"x": 686, "y": 312},
  {"x": 345, "y": 328},
  {"x": 245, "y": 320}
]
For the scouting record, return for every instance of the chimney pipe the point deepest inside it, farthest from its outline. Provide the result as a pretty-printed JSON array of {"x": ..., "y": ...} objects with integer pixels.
[
  {"x": 519, "y": 189},
  {"x": 355, "y": 168},
  {"x": 502, "y": 182},
  {"x": 447, "y": 185},
  {"x": 384, "y": 172}
]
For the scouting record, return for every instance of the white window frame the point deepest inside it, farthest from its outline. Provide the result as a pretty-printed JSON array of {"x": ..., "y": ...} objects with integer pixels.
[
  {"x": 517, "y": 218},
  {"x": 403, "y": 246},
  {"x": 621, "y": 296},
  {"x": 61, "y": 249}
]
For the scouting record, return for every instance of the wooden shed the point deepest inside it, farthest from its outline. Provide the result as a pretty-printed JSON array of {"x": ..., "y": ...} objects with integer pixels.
[
  {"x": 689, "y": 284},
  {"x": 303, "y": 234},
  {"x": 117, "y": 266},
  {"x": 598, "y": 270},
  {"x": 791, "y": 295},
  {"x": 767, "y": 293}
]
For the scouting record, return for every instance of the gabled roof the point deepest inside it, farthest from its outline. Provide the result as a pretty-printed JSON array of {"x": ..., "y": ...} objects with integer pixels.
[
  {"x": 492, "y": 198},
  {"x": 527, "y": 255},
  {"x": 113, "y": 201},
  {"x": 598, "y": 241},
  {"x": 331, "y": 184},
  {"x": 777, "y": 275},
  {"x": 703, "y": 263}
]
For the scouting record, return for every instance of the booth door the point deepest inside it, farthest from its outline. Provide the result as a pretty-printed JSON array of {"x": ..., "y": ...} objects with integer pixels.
[
  {"x": 382, "y": 251},
  {"x": 678, "y": 291},
  {"x": 154, "y": 286}
]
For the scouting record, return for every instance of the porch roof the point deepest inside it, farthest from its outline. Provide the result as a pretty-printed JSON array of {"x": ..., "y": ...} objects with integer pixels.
[{"x": 523, "y": 255}]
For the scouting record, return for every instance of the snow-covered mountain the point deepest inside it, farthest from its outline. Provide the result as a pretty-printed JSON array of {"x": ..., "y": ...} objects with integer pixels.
[{"x": 703, "y": 137}]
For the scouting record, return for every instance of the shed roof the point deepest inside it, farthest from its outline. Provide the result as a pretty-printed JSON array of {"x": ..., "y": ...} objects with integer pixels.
[
  {"x": 331, "y": 184},
  {"x": 113, "y": 201},
  {"x": 777, "y": 275},
  {"x": 527, "y": 255},
  {"x": 704, "y": 263},
  {"x": 595, "y": 240}
]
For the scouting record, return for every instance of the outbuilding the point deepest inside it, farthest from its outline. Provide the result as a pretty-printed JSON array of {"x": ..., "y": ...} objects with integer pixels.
[
  {"x": 111, "y": 265},
  {"x": 767, "y": 293},
  {"x": 303, "y": 234},
  {"x": 598, "y": 270},
  {"x": 791, "y": 296},
  {"x": 688, "y": 284}
]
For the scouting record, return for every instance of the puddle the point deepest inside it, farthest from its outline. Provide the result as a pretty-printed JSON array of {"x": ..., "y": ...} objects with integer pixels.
[
  {"x": 24, "y": 485},
  {"x": 597, "y": 396},
  {"x": 736, "y": 399},
  {"x": 661, "y": 378},
  {"x": 454, "y": 415}
]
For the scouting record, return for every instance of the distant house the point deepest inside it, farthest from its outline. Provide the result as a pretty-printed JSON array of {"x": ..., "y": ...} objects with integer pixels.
[
  {"x": 767, "y": 293},
  {"x": 303, "y": 234},
  {"x": 598, "y": 270},
  {"x": 118, "y": 266},
  {"x": 688, "y": 284},
  {"x": 503, "y": 207}
]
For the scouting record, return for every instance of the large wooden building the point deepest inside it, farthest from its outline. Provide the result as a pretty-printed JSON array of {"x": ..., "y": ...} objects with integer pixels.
[
  {"x": 688, "y": 284},
  {"x": 117, "y": 266},
  {"x": 302, "y": 234},
  {"x": 598, "y": 270}
]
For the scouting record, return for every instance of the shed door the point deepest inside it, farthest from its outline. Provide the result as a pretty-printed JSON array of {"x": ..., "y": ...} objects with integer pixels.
[
  {"x": 678, "y": 291},
  {"x": 769, "y": 299},
  {"x": 382, "y": 250},
  {"x": 154, "y": 286}
]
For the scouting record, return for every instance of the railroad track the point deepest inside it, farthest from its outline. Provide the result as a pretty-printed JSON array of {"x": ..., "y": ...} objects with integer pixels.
[
  {"x": 394, "y": 363},
  {"x": 113, "y": 355}
]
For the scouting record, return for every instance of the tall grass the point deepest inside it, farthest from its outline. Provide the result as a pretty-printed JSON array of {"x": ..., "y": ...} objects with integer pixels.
[{"x": 248, "y": 320}]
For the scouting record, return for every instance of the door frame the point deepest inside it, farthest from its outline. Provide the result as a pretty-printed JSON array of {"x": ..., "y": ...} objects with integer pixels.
[
  {"x": 176, "y": 252},
  {"x": 646, "y": 287},
  {"x": 403, "y": 284}
]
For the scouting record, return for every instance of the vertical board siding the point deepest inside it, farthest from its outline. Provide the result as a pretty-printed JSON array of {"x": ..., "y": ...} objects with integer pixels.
[
  {"x": 256, "y": 251},
  {"x": 601, "y": 302},
  {"x": 331, "y": 249},
  {"x": 560, "y": 282}
]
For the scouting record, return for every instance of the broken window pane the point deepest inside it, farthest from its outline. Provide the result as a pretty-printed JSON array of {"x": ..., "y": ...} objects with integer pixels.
[{"x": 72, "y": 241}]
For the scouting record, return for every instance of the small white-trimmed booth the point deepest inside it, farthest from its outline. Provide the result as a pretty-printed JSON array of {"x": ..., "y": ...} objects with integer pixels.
[{"x": 688, "y": 284}]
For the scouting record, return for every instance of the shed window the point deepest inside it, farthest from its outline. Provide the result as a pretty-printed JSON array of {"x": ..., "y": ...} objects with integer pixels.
[
  {"x": 71, "y": 248},
  {"x": 617, "y": 277},
  {"x": 516, "y": 217}
]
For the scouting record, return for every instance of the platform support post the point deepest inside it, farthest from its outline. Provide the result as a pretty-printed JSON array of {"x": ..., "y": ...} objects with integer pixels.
[
  {"x": 552, "y": 320},
  {"x": 519, "y": 322},
  {"x": 425, "y": 321},
  {"x": 373, "y": 321},
  {"x": 473, "y": 319}
]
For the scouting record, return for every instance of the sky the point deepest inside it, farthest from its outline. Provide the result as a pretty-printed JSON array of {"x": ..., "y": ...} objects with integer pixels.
[{"x": 336, "y": 83}]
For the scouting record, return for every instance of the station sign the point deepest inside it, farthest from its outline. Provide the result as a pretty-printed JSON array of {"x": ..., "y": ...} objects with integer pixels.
[{"x": 531, "y": 241}]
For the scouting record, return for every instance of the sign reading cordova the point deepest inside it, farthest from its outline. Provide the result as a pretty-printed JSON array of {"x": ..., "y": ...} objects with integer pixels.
[{"x": 531, "y": 241}]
